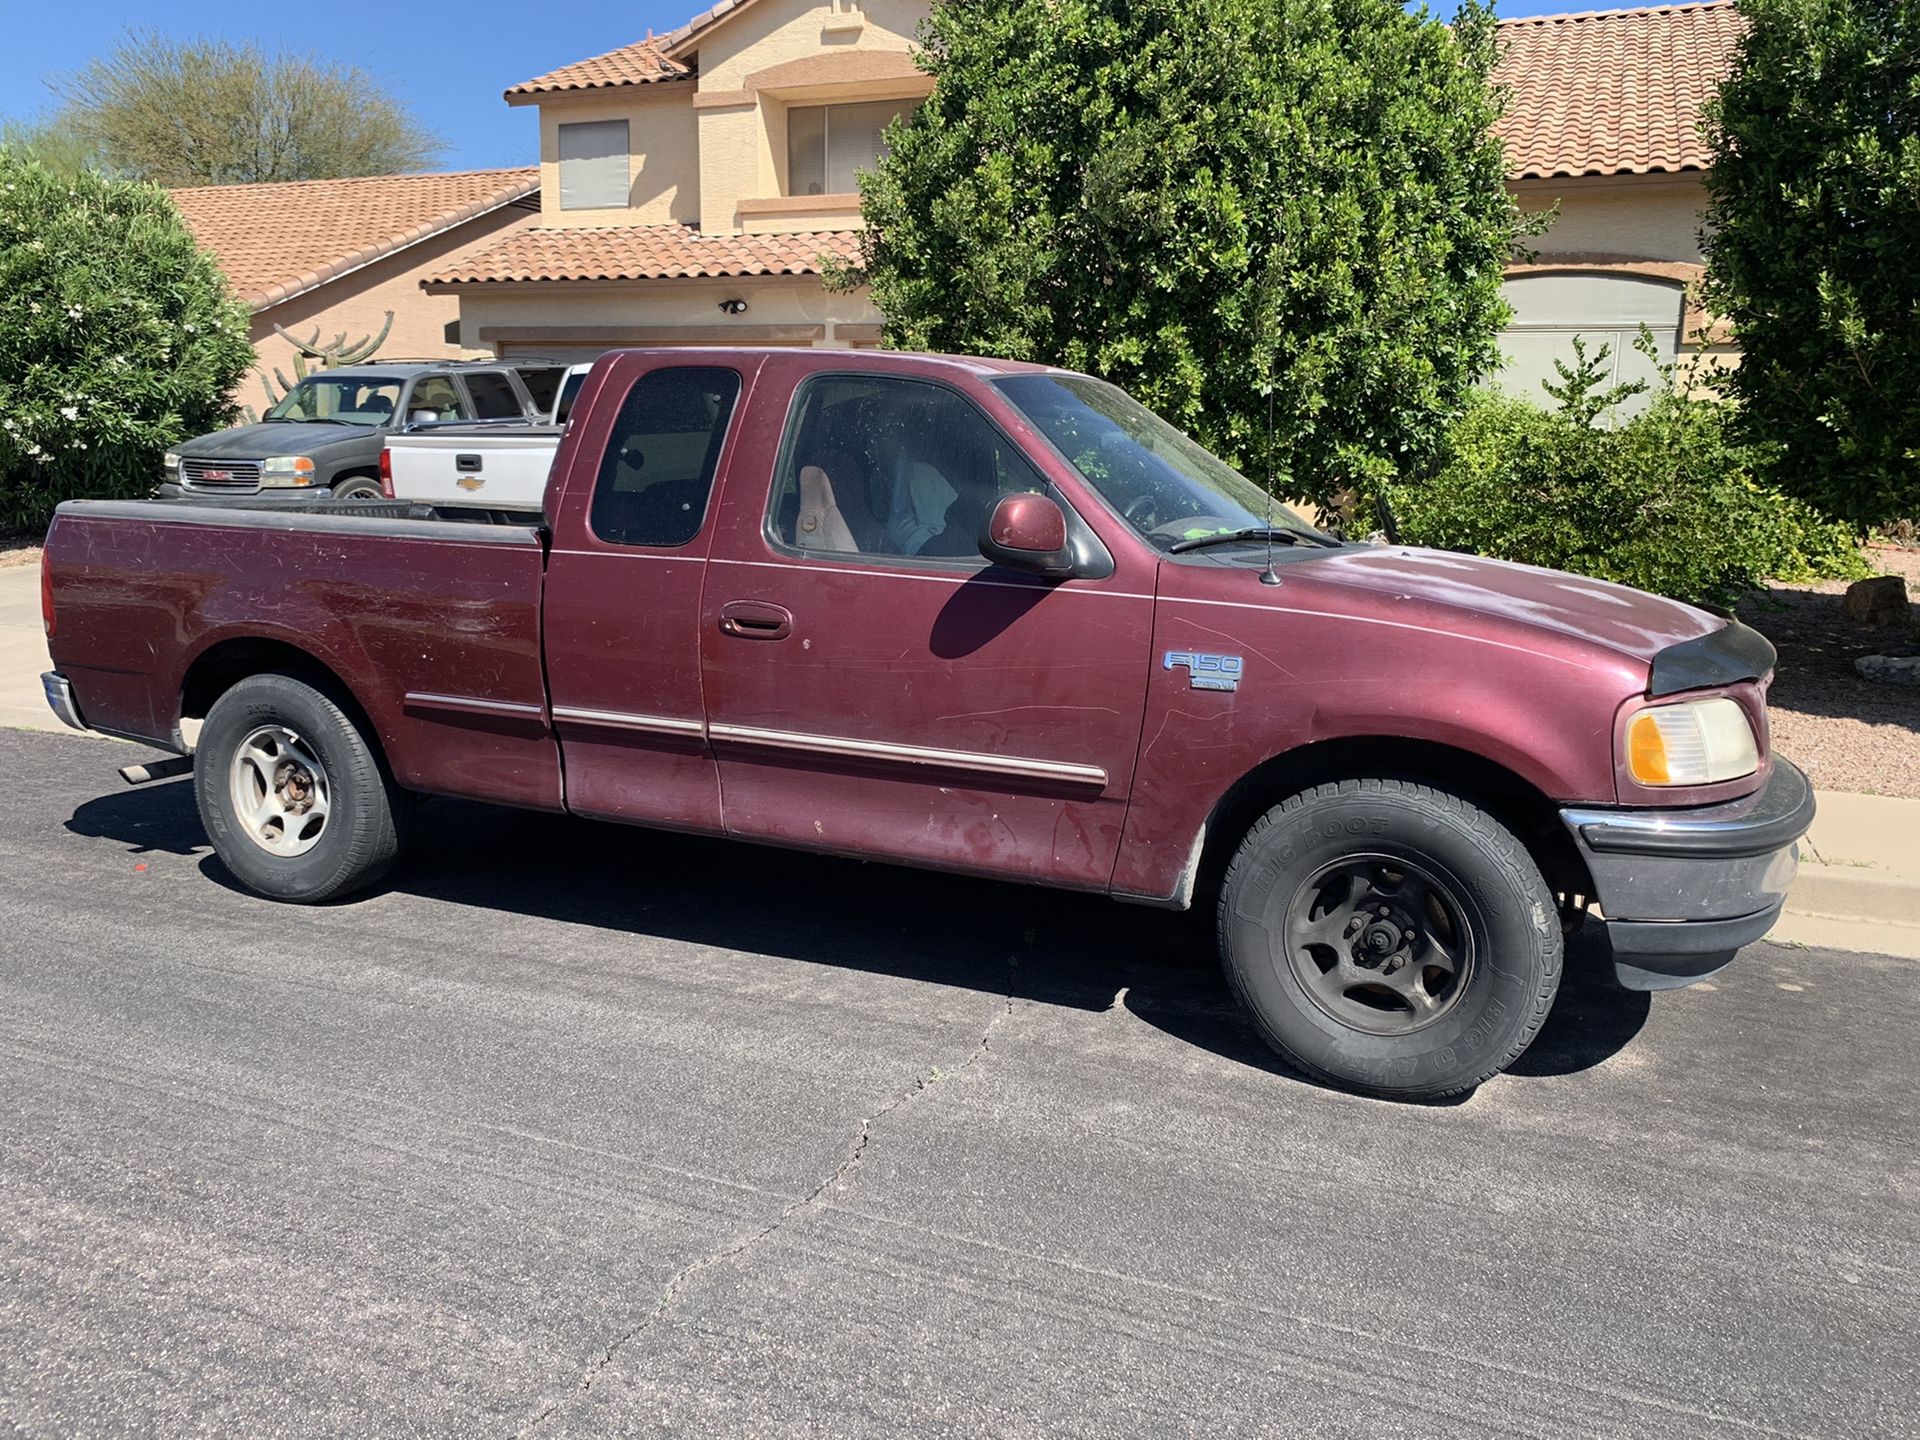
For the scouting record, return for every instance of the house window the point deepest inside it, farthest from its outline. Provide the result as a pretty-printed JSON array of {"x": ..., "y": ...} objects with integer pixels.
[
  {"x": 829, "y": 145},
  {"x": 593, "y": 165}
]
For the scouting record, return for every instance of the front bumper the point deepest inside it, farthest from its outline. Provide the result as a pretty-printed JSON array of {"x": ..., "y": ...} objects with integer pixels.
[
  {"x": 264, "y": 497},
  {"x": 60, "y": 699},
  {"x": 1683, "y": 889}
]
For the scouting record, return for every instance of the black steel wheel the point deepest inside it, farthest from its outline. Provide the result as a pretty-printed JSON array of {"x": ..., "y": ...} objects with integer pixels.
[
  {"x": 1390, "y": 937},
  {"x": 1382, "y": 943}
]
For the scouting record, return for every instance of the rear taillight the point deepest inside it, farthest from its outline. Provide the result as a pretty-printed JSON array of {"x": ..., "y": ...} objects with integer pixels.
[
  {"x": 46, "y": 592},
  {"x": 386, "y": 472}
]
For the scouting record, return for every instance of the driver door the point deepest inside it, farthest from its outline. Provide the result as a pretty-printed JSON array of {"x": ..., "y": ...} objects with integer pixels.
[{"x": 874, "y": 687}]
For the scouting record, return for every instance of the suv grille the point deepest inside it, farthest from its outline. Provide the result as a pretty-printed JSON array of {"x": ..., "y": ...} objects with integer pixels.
[{"x": 226, "y": 475}]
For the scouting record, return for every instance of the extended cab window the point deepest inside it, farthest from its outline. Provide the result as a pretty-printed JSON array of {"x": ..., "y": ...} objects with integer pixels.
[
  {"x": 493, "y": 396},
  {"x": 658, "y": 470},
  {"x": 877, "y": 465},
  {"x": 435, "y": 398}
]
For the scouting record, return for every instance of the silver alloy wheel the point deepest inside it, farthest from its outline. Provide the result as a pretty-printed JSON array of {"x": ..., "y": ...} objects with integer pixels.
[{"x": 279, "y": 790}]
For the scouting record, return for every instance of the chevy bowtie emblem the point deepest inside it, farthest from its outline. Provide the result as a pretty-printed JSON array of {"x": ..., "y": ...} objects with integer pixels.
[{"x": 470, "y": 482}]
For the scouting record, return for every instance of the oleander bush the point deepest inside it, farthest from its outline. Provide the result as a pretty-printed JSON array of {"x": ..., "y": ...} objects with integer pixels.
[
  {"x": 117, "y": 338},
  {"x": 1665, "y": 500}
]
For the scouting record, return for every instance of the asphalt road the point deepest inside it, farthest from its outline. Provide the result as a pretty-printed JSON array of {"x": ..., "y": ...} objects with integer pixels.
[{"x": 576, "y": 1130}]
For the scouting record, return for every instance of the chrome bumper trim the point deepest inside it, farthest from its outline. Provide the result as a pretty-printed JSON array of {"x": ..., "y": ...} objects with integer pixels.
[{"x": 59, "y": 693}]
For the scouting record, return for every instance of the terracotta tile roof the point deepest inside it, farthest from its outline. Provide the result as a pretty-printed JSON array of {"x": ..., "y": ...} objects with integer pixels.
[
  {"x": 645, "y": 252},
  {"x": 278, "y": 241},
  {"x": 1613, "y": 92},
  {"x": 674, "y": 39},
  {"x": 643, "y": 63}
]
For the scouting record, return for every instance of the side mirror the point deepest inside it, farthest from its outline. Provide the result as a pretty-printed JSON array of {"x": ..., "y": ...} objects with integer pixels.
[{"x": 1028, "y": 532}]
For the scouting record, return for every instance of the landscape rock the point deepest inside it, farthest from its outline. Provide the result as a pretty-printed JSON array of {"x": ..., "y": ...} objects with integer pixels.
[
  {"x": 1890, "y": 669},
  {"x": 1881, "y": 600}
]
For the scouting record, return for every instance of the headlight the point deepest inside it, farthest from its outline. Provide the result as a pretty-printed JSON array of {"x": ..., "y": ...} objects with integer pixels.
[
  {"x": 170, "y": 462},
  {"x": 287, "y": 470},
  {"x": 1697, "y": 742}
]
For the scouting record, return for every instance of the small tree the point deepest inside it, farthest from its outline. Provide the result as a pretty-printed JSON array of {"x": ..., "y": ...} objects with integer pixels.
[
  {"x": 117, "y": 338},
  {"x": 1811, "y": 239},
  {"x": 206, "y": 112},
  {"x": 1211, "y": 202}
]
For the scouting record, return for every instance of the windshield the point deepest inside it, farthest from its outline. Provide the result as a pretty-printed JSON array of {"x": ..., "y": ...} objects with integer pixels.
[
  {"x": 353, "y": 399},
  {"x": 1161, "y": 482}
]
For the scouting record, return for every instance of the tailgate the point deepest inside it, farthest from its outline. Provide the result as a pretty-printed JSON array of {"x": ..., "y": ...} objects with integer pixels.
[{"x": 501, "y": 469}]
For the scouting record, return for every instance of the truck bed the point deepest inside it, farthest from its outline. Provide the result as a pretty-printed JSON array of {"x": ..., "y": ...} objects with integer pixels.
[{"x": 409, "y": 607}]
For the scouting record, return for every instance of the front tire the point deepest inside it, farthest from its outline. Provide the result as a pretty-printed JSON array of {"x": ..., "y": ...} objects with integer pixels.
[
  {"x": 358, "y": 487},
  {"x": 1390, "y": 938},
  {"x": 292, "y": 796}
]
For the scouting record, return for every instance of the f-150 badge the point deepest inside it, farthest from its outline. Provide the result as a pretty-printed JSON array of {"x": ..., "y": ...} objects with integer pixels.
[{"x": 1205, "y": 672}]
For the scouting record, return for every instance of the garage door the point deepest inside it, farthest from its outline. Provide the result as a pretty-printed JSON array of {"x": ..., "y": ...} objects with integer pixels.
[{"x": 1549, "y": 310}]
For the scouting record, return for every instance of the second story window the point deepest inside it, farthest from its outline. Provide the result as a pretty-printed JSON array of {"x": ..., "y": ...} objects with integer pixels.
[
  {"x": 829, "y": 145},
  {"x": 593, "y": 165}
]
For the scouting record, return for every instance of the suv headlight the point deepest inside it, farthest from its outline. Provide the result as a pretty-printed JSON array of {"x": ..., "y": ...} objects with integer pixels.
[
  {"x": 1697, "y": 742},
  {"x": 170, "y": 463},
  {"x": 283, "y": 471}
]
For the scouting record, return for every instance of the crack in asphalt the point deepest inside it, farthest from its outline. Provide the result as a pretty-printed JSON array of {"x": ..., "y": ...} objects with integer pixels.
[{"x": 856, "y": 1154}]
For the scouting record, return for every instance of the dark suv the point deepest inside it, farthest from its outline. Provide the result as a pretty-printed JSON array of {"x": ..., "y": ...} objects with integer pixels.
[{"x": 326, "y": 435}]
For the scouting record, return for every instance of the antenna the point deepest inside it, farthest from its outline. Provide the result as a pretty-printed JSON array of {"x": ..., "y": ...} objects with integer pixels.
[{"x": 1269, "y": 576}]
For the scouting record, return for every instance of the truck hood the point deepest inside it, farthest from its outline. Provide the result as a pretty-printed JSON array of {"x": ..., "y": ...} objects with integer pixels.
[
  {"x": 1628, "y": 622},
  {"x": 276, "y": 437}
]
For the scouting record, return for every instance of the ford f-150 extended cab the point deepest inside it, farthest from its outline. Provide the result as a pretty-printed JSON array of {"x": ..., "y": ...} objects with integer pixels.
[{"x": 988, "y": 617}]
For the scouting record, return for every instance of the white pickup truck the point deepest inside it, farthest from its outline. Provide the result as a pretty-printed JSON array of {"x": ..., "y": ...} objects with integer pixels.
[{"x": 478, "y": 466}]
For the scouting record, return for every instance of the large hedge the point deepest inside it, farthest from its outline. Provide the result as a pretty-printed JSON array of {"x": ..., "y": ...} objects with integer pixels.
[
  {"x": 1811, "y": 245},
  {"x": 1667, "y": 501},
  {"x": 117, "y": 338},
  {"x": 1203, "y": 200}
]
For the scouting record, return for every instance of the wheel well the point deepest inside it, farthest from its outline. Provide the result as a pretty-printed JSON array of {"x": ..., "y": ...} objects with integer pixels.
[
  {"x": 1515, "y": 802},
  {"x": 225, "y": 665}
]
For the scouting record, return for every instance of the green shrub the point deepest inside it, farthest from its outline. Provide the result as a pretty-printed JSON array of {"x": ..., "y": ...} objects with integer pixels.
[
  {"x": 1665, "y": 501},
  {"x": 1280, "y": 223},
  {"x": 117, "y": 338}
]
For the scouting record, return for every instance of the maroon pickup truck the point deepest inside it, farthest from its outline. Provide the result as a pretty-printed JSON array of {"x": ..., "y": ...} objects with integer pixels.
[{"x": 986, "y": 617}]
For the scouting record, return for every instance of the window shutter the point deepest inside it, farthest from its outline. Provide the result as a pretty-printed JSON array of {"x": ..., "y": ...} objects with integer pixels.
[{"x": 594, "y": 165}]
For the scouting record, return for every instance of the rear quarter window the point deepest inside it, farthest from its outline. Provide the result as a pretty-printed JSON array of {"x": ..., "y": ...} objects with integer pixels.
[{"x": 657, "y": 474}]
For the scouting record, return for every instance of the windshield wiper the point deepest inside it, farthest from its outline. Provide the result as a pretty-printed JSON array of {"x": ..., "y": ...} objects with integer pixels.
[{"x": 1234, "y": 537}]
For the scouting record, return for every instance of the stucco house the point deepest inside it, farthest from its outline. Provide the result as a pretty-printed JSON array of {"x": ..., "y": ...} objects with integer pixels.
[
  {"x": 692, "y": 183},
  {"x": 340, "y": 254}
]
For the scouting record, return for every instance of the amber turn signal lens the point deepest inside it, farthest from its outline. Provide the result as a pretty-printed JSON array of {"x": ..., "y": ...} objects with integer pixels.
[{"x": 1647, "y": 751}]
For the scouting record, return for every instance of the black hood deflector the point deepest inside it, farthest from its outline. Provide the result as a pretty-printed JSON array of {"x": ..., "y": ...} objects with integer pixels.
[{"x": 1726, "y": 656}]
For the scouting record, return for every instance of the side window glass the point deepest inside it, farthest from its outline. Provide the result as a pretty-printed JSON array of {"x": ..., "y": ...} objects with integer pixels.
[
  {"x": 876, "y": 465},
  {"x": 493, "y": 396},
  {"x": 657, "y": 473},
  {"x": 435, "y": 398}
]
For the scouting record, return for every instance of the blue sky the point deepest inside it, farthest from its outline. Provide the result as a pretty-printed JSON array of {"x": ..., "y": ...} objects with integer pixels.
[{"x": 450, "y": 63}]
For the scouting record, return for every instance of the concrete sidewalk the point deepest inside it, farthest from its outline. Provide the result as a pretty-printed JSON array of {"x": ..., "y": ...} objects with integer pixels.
[
  {"x": 1859, "y": 885},
  {"x": 23, "y": 651},
  {"x": 1859, "y": 882}
]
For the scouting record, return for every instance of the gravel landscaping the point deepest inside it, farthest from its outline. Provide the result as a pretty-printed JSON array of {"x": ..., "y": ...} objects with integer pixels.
[{"x": 1847, "y": 732}]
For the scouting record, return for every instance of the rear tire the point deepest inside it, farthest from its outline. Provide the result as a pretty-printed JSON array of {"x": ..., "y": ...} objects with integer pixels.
[
  {"x": 1390, "y": 938},
  {"x": 293, "y": 797}
]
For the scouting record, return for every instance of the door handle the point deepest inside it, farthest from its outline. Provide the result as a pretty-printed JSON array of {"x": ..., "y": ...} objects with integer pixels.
[
  {"x": 467, "y": 463},
  {"x": 755, "y": 620}
]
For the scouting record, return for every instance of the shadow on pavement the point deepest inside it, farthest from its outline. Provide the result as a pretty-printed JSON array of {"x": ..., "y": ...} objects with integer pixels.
[{"x": 1052, "y": 947}]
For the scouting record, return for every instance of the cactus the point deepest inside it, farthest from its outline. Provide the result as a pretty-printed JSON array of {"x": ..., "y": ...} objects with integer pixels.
[{"x": 334, "y": 353}]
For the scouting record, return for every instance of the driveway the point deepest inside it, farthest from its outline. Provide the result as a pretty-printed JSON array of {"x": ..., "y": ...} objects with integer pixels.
[{"x": 577, "y": 1130}]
